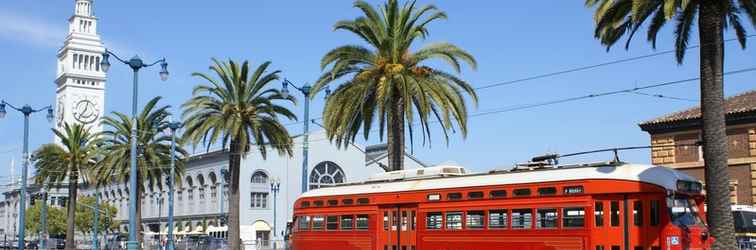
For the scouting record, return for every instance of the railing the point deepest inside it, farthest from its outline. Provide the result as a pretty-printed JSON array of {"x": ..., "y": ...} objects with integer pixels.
[
  {"x": 747, "y": 245},
  {"x": 265, "y": 245}
]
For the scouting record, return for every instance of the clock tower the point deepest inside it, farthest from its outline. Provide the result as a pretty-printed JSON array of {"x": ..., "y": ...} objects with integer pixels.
[{"x": 80, "y": 81}]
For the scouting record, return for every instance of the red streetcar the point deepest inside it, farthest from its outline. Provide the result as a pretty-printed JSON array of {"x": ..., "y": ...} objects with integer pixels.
[{"x": 602, "y": 206}]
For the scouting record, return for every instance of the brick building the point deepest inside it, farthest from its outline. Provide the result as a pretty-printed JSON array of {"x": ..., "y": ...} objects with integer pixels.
[{"x": 682, "y": 128}]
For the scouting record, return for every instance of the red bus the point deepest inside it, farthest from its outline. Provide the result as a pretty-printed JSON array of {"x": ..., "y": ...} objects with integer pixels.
[{"x": 601, "y": 206}]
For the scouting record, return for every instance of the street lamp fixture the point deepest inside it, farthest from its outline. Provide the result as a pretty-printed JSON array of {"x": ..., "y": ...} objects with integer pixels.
[
  {"x": 2, "y": 110},
  {"x": 27, "y": 111},
  {"x": 305, "y": 90},
  {"x": 135, "y": 63}
]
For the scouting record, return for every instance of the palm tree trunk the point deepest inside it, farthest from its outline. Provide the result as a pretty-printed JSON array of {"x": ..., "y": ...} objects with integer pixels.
[
  {"x": 73, "y": 186},
  {"x": 714, "y": 136},
  {"x": 396, "y": 135},
  {"x": 234, "y": 235}
]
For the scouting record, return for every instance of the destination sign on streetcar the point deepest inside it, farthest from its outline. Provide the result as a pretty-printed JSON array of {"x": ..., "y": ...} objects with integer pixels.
[{"x": 600, "y": 206}]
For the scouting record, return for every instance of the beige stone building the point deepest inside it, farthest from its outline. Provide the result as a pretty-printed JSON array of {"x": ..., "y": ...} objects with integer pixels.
[{"x": 671, "y": 133}]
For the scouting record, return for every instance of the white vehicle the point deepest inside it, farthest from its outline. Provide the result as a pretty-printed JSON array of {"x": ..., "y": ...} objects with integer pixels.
[{"x": 745, "y": 226}]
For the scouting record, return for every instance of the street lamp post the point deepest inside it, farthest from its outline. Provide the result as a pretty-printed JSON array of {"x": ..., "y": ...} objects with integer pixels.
[
  {"x": 95, "y": 242},
  {"x": 226, "y": 178},
  {"x": 135, "y": 64},
  {"x": 43, "y": 218},
  {"x": 27, "y": 111},
  {"x": 173, "y": 126},
  {"x": 305, "y": 90},
  {"x": 97, "y": 211},
  {"x": 275, "y": 186}
]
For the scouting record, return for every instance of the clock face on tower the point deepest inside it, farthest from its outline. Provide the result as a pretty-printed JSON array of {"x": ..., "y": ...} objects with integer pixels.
[{"x": 86, "y": 111}]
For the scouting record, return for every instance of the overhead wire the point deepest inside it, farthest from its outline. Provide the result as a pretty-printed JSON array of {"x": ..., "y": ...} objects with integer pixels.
[
  {"x": 663, "y": 96},
  {"x": 578, "y": 69}
]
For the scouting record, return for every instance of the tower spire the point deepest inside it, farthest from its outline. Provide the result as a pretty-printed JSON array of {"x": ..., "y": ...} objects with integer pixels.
[{"x": 80, "y": 81}]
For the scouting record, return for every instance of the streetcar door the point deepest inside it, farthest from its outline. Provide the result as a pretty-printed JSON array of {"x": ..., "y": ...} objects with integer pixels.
[
  {"x": 389, "y": 236},
  {"x": 609, "y": 223},
  {"x": 398, "y": 228},
  {"x": 644, "y": 219},
  {"x": 407, "y": 227}
]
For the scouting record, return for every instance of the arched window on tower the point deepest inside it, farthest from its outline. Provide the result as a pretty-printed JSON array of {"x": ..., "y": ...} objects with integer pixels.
[
  {"x": 326, "y": 174},
  {"x": 259, "y": 177}
]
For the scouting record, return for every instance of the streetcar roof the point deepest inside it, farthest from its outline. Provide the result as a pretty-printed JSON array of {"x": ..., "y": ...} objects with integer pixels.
[{"x": 657, "y": 175}]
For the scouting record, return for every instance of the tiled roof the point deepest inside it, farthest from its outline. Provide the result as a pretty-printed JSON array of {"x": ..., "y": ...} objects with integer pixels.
[{"x": 741, "y": 103}]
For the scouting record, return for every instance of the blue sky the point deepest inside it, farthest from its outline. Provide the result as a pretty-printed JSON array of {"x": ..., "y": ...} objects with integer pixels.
[{"x": 511, "y": 40}]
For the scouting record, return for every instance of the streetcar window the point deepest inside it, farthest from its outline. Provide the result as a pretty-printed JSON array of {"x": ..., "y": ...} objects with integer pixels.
[
  {"x": 434, "y": 197},
  {"x": 304, "y": 223},
  {"x": 305, "y": 204},
  {"x": 347, "y": 202},
  {"x": 497, "y": 218},
  {"x": 614, "y": 214},
  {"x": 385, "y": 221},
  {"x": 598, "y": 211},
  {"x": 405, "y": 221},
  {"x": 317, "y": 222},
  {"x": 547, "y": 191},
  {"x": 683, "y": 211},
  {"x": 413, "y": 220},
  {"x": 638, "y": 248},
  {"x": 318, "y": 203},
  {"x": 434, "y": 220},
  {"x": 547, "y": 218},
  {"x": 521, "y": 192},
  {"x": 333, "y": 202},
  {"x": 615, "y": 247},
  {"x": 346, "y": 222},
  {"x": 475, "y": 195},
  {"x": 498, "y": 194},
  {"x": 638, "y": 213},
  {"x": 522, "y": 218},
  {"x": 394, "y": 221},
  {"x": 363, "y": 201},
  {"x": 362, "y": 222},
  {"x": 475, "y": 219},
  {"x": 454, "y": 196},
  {"x": 332, "y": 222},
  {"x": 454, "y": 220},
  {"x": 599, "y": 247},
  {"x": 573, "y": 217},
  {"x": 573, "y": 190},
  {"x": 654, "y": 213}
]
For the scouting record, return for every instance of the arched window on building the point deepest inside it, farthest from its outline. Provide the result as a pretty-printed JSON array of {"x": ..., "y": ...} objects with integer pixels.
[
  {"x": 259, "y": 177},
  {"x": 326, "y": 174},
  {"x": 189, "y": 188},
  {"x": 213, "y": 185}
]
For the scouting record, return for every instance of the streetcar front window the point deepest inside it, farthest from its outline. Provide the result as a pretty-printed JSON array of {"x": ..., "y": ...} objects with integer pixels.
[{"x": 683, "y": 211}]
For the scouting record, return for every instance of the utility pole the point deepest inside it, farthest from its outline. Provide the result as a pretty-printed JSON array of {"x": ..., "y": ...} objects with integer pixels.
[{"x": 305, "y": 90}]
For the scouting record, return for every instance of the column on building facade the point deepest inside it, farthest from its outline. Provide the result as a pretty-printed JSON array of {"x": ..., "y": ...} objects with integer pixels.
[
  {"x": 752, "y": 146},
  {"x": 663, "y": 150}
]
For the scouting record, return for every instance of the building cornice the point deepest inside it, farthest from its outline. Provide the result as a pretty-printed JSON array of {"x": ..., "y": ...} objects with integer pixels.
[{"x": 732, "y": 119}]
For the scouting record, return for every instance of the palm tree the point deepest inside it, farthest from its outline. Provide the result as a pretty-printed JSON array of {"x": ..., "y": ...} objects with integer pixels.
[
  {"x": 68, "y": 161},
  {"x": 618, "y": 18},
  {"x": 154, "y": 152},
  {"x": 390, "y": 83},
  {"x": 239, "y": 110}
]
